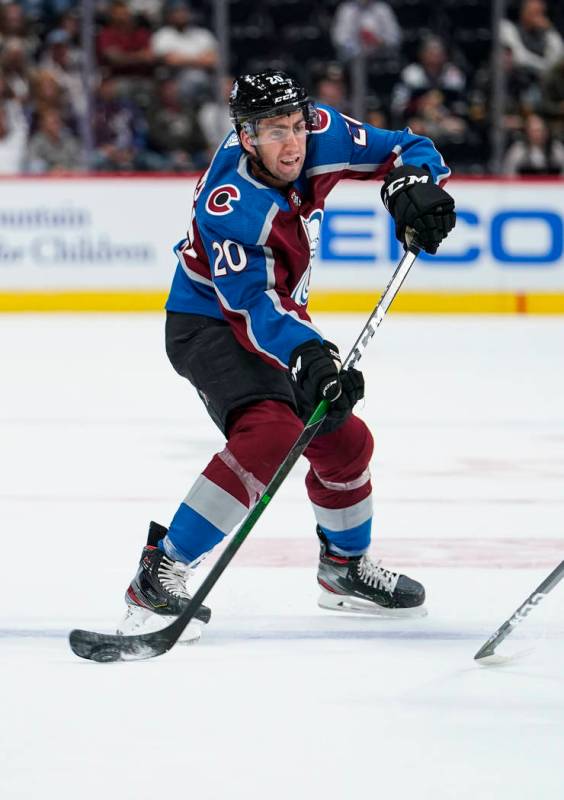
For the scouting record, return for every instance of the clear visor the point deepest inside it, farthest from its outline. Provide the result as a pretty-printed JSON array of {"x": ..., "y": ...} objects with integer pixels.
[{"x": 276, "y": 131}]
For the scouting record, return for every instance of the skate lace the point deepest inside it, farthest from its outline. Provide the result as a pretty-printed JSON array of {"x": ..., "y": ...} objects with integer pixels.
[
  {"x": 173, "y": 576},
  {"x": 374, "y": 575}
]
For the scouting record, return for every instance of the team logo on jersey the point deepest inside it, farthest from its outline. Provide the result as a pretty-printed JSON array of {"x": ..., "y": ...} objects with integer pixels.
[
  {"x": 323, "y": 121},
  {"x": 300, "y": 294},
  {"x": 312, "y": 227},
  {"x": 219, "y": 201}
]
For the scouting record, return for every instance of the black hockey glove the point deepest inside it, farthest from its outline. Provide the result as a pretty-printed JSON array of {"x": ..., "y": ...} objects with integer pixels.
[
  {"x": 415, "y": 202},
  {"x": 352, "y": 385},
  {"x": 314, "y": 366}
]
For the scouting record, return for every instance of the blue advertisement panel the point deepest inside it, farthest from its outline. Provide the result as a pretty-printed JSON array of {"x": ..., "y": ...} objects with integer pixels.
[{"x": 107, "y": 233}]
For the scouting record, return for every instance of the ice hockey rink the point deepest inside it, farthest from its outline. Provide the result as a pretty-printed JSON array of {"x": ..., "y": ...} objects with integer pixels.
[{"x": 280, "y": 699}]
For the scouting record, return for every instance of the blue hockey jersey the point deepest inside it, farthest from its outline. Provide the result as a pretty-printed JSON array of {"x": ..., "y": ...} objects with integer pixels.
[{"x": 249, "y": 248}]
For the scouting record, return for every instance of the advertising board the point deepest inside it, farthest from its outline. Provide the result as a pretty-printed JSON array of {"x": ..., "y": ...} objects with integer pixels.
[{"x": 97, "y": 238}]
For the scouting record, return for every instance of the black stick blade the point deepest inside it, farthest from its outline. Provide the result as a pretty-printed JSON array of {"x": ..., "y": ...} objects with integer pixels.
[
  {"x": 106, "y": 647},
  {"x": 485, "y": 653}
]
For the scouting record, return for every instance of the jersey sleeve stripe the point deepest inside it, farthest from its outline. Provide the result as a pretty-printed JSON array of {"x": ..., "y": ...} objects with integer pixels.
[{"x": 323, "y": 168}]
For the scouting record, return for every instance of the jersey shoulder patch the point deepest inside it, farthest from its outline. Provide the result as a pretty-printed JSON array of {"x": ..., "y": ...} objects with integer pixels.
[
  {"x": 220, "y": 200},
  {"x": 331, "y": 141},
  {"x": 232, "y": 204},
  {"x": 323, "y": 120}
]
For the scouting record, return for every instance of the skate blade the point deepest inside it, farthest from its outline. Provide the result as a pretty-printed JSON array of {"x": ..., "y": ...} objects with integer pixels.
[
  {"x": 355, "y": 605},
  {"x": 141, "y": 620}
]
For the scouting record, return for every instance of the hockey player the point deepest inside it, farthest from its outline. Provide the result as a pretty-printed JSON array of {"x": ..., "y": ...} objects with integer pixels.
[{"x": 238, "y": 329}]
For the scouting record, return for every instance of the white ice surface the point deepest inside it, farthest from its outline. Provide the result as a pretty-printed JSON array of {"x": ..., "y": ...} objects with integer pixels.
[{"x": 280, "y": 699}]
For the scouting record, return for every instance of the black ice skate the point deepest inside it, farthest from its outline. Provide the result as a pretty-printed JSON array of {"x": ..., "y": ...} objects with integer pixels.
[
  {"x": 358, "y": 585},
  {"x": 158, "y": 593}
]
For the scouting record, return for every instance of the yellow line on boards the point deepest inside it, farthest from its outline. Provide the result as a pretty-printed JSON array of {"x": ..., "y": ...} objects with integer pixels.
[
  {"x": 420, "y": 302},
  {"x": 89, "y": 300},
  {"x": 330, "y": 300}
]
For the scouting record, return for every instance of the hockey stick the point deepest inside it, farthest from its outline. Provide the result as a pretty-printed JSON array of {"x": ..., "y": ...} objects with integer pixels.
[
  {"x": 486, "y": 654},
  {"x": 113, "y": 647}
]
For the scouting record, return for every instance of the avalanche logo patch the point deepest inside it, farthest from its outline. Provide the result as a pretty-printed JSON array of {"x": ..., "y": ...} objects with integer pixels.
[{"x": 220, "y": 200}]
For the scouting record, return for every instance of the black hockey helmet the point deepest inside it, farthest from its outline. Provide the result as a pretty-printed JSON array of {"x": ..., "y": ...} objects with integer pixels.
[{"x": 268, "y": 94}]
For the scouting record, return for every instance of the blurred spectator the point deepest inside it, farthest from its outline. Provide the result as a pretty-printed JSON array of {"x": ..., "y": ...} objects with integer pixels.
[
  {"x": 35, "y": 10},
  {"x": 124, "y": 46},
  {"x": 214, "y": 118},
  {"x": 366, "y": 26},
  {"x": 149, "y": 11},
  {"x": 553, "y": 97},
  {"x": 534, "y": 42},
  {"x": 190, "y": 50},
  {"x": 13, "y": 137},
  {"x": 47, "y": 12},
  {"x": 331, "y": 88},
  {"x": 16, "y": 67},
  {"x": 52, "y": 148},
  {"x": 47, "y": 95},
  {"x": 70, "y": 23},
  {"x": 433, "y": 119},
  {"x": 14, "y": 24},
  {"x": 174, "y": 132},
  {"x": 522, "y": 94},
  {"x": 537, "y": 154},
  {"x": 119, "y": 130},
  {"x": 432, "y": 70},
  {"x": 146, "y": 12},
  {"x": 65, "y": 68},
  {"x": 375, "y": 114}
]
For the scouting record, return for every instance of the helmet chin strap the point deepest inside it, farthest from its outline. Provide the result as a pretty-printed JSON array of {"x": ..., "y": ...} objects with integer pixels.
[{"x": 259, "y": 163}]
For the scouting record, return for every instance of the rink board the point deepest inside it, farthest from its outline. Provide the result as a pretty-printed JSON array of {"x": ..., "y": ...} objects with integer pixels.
[{"x": 105, "y": 244}]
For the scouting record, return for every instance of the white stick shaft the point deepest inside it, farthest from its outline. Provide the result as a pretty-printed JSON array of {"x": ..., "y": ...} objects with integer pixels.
[{"x": 379, "y": 312}]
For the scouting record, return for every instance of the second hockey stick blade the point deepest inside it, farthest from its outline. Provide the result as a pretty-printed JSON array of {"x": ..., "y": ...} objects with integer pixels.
[{"x": 487, "y": 653}]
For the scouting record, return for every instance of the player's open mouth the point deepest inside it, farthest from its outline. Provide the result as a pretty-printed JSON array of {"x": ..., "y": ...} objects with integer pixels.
[{"x": 290, "y": 162}]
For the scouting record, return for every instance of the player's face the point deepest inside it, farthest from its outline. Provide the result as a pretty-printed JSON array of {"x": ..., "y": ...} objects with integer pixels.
[{"x": 281, "y": 143}]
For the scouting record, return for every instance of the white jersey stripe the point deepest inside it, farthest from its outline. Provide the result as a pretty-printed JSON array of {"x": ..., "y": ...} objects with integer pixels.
[{"x": 267, "y": 227}]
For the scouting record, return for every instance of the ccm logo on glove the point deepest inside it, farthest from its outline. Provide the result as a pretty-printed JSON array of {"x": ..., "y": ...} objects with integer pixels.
[
  {"x": 401, "y": 183},
  {"x": 418, "y": 206}
]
